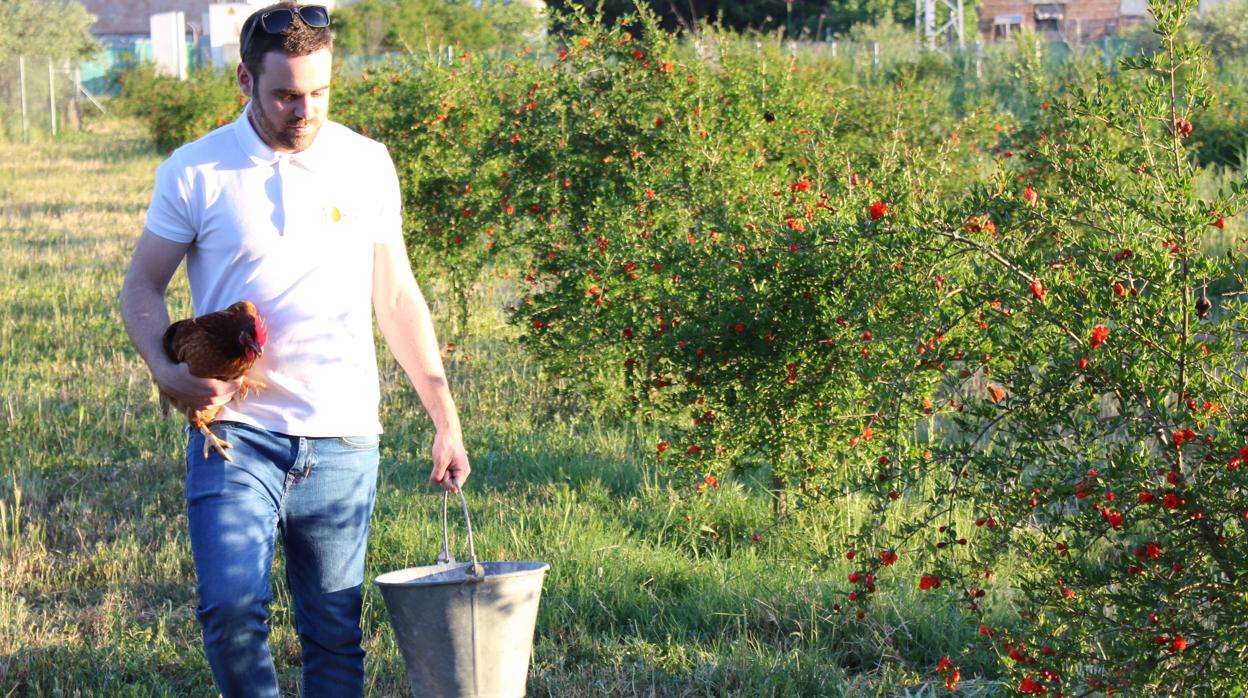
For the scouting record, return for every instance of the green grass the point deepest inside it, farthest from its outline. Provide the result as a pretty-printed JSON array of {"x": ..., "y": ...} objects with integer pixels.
[{"x": 651, "y": 592}]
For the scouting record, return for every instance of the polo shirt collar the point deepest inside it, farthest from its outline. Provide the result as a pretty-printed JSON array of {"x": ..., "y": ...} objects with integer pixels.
[{"x": 312, "y": 158}]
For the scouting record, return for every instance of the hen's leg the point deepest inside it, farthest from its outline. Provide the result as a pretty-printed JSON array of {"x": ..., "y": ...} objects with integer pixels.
[{"x": 211, "y": 440}]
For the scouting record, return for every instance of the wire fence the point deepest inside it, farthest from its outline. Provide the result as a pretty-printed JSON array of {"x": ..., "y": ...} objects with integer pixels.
[{"x": 42, "y": 97}]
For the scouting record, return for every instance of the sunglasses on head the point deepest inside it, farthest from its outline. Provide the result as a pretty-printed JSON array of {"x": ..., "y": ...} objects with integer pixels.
[{"x": 275, "y": 21}]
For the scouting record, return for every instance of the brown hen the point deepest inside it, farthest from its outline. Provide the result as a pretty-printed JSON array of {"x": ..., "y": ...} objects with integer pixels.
[{"x": 221, "y": 345}]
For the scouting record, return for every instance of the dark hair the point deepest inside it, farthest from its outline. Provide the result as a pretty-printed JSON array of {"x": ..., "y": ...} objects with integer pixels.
[{"x": 297, "y": 39}]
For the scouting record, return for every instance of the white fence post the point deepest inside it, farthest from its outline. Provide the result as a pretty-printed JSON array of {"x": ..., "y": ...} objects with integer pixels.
[
  {"x": 21, "y": 79},
  {"x": 51, "y": 98}
]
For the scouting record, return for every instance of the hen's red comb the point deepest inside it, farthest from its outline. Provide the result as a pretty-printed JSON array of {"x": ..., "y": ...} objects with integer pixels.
[{"x": 262, "y": 331}]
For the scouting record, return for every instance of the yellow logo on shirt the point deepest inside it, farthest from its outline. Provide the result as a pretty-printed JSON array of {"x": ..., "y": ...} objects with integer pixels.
[{"x": 336, "y": 216}]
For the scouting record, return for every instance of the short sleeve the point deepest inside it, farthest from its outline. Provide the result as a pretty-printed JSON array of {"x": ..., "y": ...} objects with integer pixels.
[
  {"x": 390, "y": 220},
  {"x": 169, "y": 213}
]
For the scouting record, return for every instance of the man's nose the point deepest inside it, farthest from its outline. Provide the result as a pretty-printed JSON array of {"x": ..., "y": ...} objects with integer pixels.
[{"x": 302, "y": 106}]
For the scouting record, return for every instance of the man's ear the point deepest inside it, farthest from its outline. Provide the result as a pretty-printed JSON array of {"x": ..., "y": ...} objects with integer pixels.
[{"x": 245, "y": 81}]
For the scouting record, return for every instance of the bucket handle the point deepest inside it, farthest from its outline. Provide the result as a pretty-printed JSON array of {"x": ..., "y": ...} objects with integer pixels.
[{"x": 475, "y": 572}]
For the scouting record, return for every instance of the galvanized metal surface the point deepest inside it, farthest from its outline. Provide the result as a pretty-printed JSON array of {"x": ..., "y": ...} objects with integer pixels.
[{"x": 465, "y": 629}]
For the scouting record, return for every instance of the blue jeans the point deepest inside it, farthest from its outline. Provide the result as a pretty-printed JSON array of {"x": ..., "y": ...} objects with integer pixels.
[{"x": 318, "y": 492}]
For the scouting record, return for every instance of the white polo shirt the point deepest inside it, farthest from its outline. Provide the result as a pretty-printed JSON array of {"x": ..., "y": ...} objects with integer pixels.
[{"x": 294, "y": 234}]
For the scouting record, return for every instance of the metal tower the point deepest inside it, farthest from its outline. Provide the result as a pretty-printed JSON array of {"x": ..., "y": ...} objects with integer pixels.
[{"x": 925, "y": 20}]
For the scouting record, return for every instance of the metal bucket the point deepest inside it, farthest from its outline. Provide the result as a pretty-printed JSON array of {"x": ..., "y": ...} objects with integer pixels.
[{"x": 465, "y": 629}]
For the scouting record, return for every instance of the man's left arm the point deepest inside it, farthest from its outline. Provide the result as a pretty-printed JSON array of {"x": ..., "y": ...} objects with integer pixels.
[{"x": 405, "y": 322}]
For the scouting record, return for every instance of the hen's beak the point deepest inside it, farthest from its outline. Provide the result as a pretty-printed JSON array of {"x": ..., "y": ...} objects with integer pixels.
[{"x": 254, "y": 346}]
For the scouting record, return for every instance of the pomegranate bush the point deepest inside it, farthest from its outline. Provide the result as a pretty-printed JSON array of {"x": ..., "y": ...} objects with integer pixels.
[
  {"x": 179, "y": 111},
  {"x": 1008, "y": 347},
  {"x": 709, "y": 230},
  {"x": 1096, "y": 420},
  {"x": 438, "y": 120},
  {"x": 1040, "y": 352}
]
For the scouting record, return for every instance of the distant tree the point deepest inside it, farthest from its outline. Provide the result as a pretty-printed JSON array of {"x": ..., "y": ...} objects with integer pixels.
[
  {"x": 52, "y": 28},
  {"x": 420, "y": 26},
  {"x": 1224, "y": 29}
]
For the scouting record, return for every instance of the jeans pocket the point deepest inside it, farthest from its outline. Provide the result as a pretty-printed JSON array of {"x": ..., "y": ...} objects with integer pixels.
[
  {"x": 205, "y": 477},
  {"x": 360, "y": 443}
]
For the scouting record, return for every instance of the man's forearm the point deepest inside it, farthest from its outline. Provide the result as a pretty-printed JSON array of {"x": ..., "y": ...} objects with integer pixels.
[
  {"x": 407, "y": 326},
  {"x": 143, "y": 310},
  {"x": 145, "y": 316}
]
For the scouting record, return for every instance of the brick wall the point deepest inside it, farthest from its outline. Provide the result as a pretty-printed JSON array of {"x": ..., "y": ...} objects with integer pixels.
[
  {"x": 1090, "y": 19},
  {"x": 990, "y": 10},
  {"x": 1082, "y": 20}
]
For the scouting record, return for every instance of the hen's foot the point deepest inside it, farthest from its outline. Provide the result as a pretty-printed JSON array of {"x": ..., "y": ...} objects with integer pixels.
[
  {"x": 211, "y": 441},
  {"x": 249, "y": 385}
]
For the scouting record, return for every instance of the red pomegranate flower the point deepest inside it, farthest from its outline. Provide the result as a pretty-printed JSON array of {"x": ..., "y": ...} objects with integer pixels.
[
  {"x": 1038, "y": 290},
  {"x": 1113, "y": 518},
  {"x": 996, "y": 394},
  {"x": 1032, "y": 687},
  {"x": 878, "y": 209},
  {"x": 1099, "y": 334}
]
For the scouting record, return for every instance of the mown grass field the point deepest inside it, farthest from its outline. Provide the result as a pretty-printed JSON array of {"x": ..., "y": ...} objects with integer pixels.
[{"x": 652, "y": 591}]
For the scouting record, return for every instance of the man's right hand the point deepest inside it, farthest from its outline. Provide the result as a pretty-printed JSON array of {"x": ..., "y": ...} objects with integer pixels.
[{"x": 190, "y": 392}]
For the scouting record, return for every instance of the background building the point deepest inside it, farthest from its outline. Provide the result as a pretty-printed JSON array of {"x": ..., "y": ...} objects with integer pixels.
[
  {"x": 124, "y": 28},
  {"x": 1075, "y": 21},
  {"x": 1071, "y": 21}
]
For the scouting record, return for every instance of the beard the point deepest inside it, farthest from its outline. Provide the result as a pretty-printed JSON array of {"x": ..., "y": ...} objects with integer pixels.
[{"x": 284, "y": 135}]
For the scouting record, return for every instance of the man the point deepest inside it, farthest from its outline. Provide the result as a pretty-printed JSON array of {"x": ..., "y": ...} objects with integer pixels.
[{"x": 301, "y": 216}]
